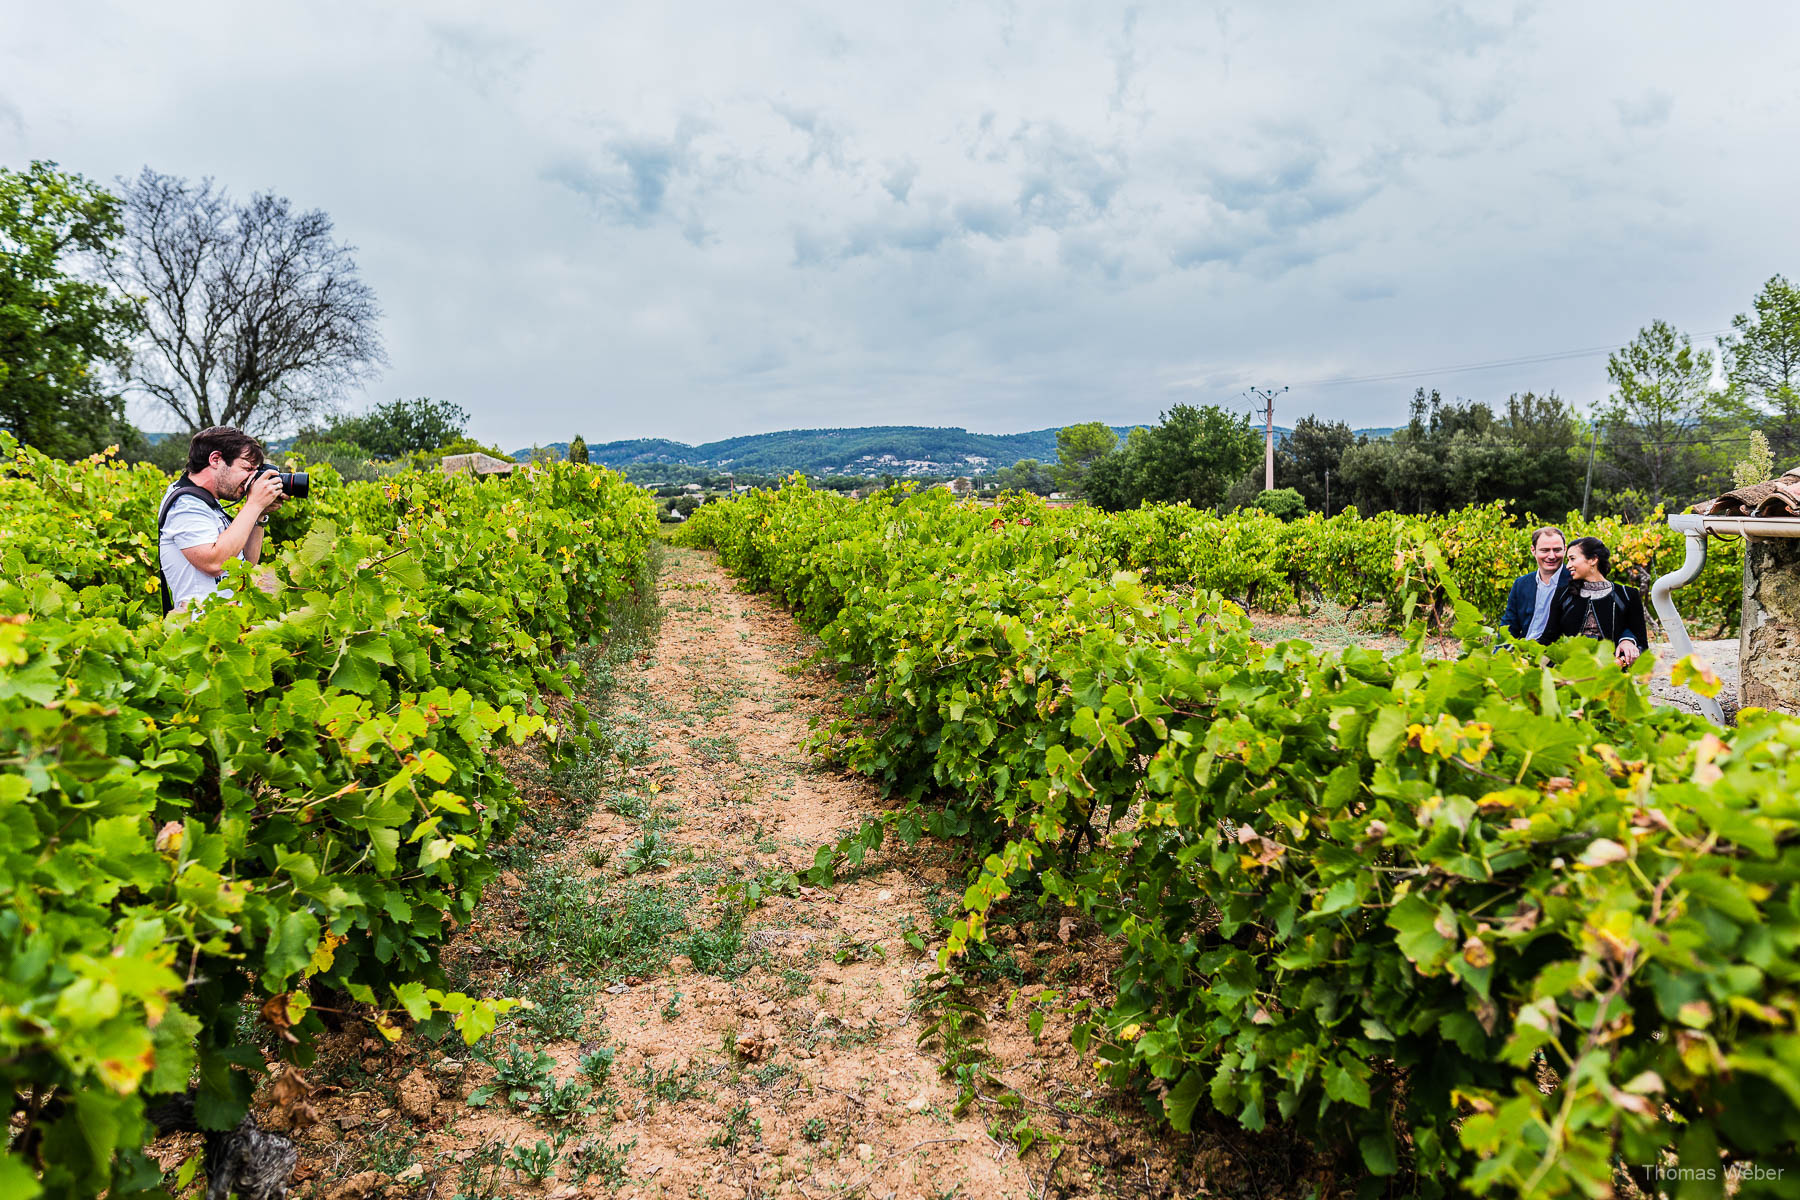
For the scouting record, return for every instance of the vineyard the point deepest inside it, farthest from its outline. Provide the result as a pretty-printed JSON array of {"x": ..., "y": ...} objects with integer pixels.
[
  {"x": 1485, "y": 924},
  {"x": 1490, "y": 923},
  {"x": 282, "y": 798}
]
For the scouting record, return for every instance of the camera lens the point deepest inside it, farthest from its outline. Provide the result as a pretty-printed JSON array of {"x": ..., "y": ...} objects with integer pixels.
[{"x": 295, "y": 483}]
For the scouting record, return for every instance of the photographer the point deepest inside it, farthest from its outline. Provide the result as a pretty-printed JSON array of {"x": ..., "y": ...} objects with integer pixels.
[{"x": 196, "y": 536}]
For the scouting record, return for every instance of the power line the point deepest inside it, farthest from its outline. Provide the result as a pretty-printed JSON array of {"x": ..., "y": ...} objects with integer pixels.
[{"x": 1524, "y": 360}]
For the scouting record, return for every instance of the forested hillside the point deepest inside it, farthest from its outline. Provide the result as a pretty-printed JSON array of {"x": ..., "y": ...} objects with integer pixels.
[{"x": 868, "y": 450}]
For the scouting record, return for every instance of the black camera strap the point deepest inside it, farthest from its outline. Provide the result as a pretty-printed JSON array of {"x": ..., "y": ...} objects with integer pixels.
[{"x": 185, "y": 488}]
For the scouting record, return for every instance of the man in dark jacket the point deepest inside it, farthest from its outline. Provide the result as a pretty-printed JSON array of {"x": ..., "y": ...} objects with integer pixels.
[{"x": 1528, "y": 603}]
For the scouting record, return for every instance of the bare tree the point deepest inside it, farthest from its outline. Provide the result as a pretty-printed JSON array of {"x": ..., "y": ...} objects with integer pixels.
[{"x": 254, "y": 316}]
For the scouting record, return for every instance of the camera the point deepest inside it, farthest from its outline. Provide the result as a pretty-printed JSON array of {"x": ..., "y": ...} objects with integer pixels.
[{"x": 293, "y": 483}]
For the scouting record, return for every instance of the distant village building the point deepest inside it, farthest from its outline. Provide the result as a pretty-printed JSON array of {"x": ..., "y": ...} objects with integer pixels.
[{"x": 476, "y": 464}]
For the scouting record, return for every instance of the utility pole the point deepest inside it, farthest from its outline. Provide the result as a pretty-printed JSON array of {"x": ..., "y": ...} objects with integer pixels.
[
  {"x": 1328, "y": 491},
  {"x": 1267, "y": 396},
  {"x": 1588, "y": 487}
]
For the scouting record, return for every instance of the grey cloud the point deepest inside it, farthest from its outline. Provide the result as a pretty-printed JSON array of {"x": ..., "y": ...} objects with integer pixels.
[
  {"x": 1478, "y": 108},
  {"x": 695, "y": 233},
  {"x": 1218, "y": 246},
  {"x": 900, "y": 179},
  {"x": 811, "y": 248},
  {"x": 823, "y": 139},
  {"x": 928, "y": 215},
  {"x": 1245, "y": 191},
  {"x": 1091, "y": 254},
  {"x": 1297, "y": 210},
  {"x": 1457, "y": 28},
  {"x": 649, "y": 164},
  {"x": 1063, "y": 182},
  {"x": 1255, "y": 247},
  {"x": 630, "y": 185},
  {"x": 913, "y": 234},
  {"x": 1067, "y": 178},
  {"x": 482, "y": 58},
  {"x": 1125, "y": 60},
  {"x": 1268, "y": 215},
  {"x": 988, "y": 218},
  {"x": 1647, "y": 111},
  {"x": 1369, "y": 289},
  {"x": 919, "y": 233}
]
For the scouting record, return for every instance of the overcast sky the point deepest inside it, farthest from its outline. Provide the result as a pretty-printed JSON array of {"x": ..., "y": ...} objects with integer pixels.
[{"x": 699, "y": 220}]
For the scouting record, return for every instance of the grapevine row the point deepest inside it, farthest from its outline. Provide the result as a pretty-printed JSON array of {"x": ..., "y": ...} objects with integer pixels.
[
  {"x": 282, "y": 797},
  {"x": 1491, "y": 924}
]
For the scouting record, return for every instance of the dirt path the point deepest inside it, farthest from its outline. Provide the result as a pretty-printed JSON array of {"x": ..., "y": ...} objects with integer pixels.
[{"x": 683, "y": 1046}]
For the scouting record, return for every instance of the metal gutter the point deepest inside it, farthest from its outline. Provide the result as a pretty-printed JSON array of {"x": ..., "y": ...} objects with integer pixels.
[{"x": 1696, "y": 528}]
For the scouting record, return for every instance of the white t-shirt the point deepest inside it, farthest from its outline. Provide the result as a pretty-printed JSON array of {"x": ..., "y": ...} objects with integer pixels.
[{"x": 191, "y": 522}]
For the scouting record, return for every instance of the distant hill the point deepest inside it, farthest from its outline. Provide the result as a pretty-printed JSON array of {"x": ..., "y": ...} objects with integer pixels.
[
  {"x": 870, "y": 450},
  {"x": 900, "y": 450}
]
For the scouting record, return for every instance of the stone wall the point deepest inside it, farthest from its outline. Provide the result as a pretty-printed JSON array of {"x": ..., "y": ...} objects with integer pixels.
[{"x": 1769, "y": 643}]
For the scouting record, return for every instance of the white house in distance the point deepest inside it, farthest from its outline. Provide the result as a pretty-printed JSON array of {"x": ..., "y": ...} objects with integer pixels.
[{"x": 476, "y": 464}]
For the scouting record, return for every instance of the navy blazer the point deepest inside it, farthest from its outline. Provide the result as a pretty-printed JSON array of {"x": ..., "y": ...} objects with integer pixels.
[{"x": 1521, "y": 603}]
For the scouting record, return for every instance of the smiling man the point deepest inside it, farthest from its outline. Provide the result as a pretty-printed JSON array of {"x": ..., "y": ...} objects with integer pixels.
[
  {"x": 196, "y": 537},
  {"x": 1528, "y": 603}
]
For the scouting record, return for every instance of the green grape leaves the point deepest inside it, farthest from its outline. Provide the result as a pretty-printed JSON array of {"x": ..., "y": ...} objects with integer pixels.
[{"x": 1492, "y": 923}]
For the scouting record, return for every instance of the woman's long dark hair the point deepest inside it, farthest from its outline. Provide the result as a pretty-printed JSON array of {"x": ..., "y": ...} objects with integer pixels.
[{"x": 1594, "y": 548}]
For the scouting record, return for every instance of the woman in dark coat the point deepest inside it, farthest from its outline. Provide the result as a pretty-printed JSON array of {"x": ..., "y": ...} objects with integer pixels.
[{"x": 1590, "y": 605}]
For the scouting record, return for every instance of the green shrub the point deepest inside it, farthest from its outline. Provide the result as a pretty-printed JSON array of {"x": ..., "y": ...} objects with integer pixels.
[{"x": 1284, "y": 504}]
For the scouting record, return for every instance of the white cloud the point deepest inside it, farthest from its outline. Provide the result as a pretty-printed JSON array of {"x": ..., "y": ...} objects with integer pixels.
[{"x": 699, "y": 219}]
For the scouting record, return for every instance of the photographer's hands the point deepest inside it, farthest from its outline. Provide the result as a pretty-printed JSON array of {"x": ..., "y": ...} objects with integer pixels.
[{"x": 264, "y": 493}]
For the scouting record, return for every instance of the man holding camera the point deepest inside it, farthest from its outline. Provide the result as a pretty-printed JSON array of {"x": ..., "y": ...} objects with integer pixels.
[{"x": 197, "y": 538}]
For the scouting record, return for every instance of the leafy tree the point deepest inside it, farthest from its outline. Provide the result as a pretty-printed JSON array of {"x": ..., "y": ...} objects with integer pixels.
[
  {"x": 1078, "y": 447},
  {"x": 397, "y": 428},
  {"x": 578, "y": 451},
  {"x": 1453, "y": 453},
  {"x": 1762, "y": 361},
  {"x": 1026, "y": 475},
  {"x": 1195, "y": 455},
  {"x": 1285, "y": 503},
  {"x": 1244, "y": 492},
  {"x": 55, "y": 327},
  {"x": 1109, "y": 483},
  {"x": 254, "y": 315},
  {"x": 1530, "y": 456},
  {"x": 1407, "y": 472},
  {"x": 1314, "y": 448},
  {"x": 1396, "y": 474},
  {"x": 1663, "y": 418}
]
